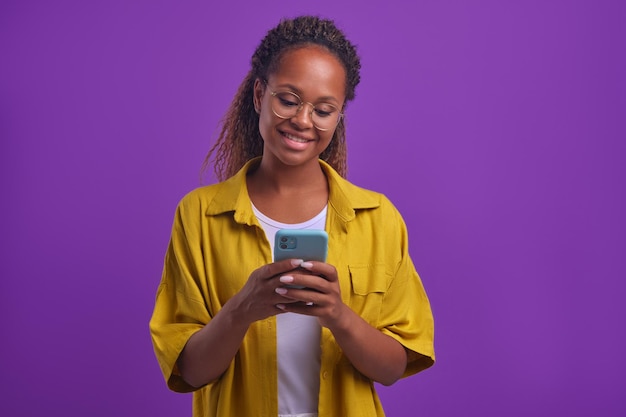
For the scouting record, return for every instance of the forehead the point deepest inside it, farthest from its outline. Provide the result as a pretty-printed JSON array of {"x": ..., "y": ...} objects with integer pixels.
[{"x": 311, "y": 69}]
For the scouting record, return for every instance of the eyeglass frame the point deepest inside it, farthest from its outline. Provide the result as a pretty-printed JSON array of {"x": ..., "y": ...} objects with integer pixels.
[{"x": 301, "y": 106}]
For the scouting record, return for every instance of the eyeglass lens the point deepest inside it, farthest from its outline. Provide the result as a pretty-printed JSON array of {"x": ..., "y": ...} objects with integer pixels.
[{"x": 287, "y": 104}]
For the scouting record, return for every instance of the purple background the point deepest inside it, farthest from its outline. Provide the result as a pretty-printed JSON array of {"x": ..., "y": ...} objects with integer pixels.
[{"x": 496, "y": 127}]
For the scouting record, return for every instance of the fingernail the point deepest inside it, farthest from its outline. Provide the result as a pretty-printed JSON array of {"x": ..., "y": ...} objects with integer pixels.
[
  {"x": 281, "y": 290},
  {"x": 307, "y": 265},
  {"x": 296, "y": 262},
  {"x": 286, "y": 278},
  {"x": 280, "y": 306}
]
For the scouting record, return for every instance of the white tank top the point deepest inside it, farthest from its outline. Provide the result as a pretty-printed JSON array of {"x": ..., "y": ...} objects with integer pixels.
[{"x": 297, "y": 340}]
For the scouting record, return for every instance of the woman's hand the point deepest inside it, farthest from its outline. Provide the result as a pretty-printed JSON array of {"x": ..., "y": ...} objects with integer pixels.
[
  {"x": 209, "y": 352},
  {"x": 258, "y": 298},
  {"x": 320, "y": 297},
  {"x": 375, "y": 354}
]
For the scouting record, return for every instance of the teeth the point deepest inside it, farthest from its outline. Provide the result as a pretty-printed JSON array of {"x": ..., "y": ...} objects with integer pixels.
[{"x": 295, "y": 138}]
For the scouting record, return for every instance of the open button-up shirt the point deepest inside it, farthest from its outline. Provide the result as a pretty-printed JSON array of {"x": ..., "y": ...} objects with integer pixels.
[{"x": 216, "y": 242}]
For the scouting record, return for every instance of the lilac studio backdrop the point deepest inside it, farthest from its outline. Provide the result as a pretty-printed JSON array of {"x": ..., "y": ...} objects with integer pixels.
[{"x": 496, "y": 127}]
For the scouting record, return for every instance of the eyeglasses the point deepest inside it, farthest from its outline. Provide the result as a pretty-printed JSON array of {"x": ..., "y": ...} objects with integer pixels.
[{"x": 287, "y": 104}]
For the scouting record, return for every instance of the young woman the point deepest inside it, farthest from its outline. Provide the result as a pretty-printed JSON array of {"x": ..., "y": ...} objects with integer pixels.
[{"x": 235, "y": 327}]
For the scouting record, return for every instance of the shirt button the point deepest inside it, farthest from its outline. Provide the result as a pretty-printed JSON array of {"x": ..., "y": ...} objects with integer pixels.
[{"x": 325, "y": 374}]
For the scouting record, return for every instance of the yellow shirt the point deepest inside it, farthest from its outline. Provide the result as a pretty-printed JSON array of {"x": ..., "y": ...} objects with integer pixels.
[{"x": 217, "y": 242}]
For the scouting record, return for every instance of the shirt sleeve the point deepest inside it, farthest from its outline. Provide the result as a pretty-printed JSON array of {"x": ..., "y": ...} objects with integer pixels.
[
  {"x": 180, "y": 309},
  {"x": 406, "y": 314}
]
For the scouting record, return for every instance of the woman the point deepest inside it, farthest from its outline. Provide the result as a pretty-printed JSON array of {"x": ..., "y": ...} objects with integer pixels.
[{"x": 236, "y": 328}]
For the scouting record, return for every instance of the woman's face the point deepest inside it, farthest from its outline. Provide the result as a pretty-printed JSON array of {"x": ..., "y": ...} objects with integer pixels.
[{"x": 318, "y": 78}]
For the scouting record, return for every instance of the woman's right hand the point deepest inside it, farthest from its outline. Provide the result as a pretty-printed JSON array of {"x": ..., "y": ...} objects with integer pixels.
[
  {"x": 209, "y": 351},
  {"x": 257, "y": 299}
]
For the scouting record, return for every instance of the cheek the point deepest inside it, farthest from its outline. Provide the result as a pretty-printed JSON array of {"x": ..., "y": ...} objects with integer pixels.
[
  {"x": 327, "y": 142},
  {"x": 265, "y": 123},
  {"x": 327, "y": 137}
]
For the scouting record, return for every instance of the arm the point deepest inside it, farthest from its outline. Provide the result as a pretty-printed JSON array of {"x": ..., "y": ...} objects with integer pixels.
[
  {"x": 373, "y": 353},
  {"x": 209, "y": 351}
]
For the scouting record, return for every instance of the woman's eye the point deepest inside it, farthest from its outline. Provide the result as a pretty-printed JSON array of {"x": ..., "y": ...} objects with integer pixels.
[
  {"x": 287, "y": 102},
  {"x": 324, "y": 111}
]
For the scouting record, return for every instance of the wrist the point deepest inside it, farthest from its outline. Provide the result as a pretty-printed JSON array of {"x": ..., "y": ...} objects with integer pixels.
[
  {"x": 236, "y": 314},
  {"x": 341, "y": 320}
]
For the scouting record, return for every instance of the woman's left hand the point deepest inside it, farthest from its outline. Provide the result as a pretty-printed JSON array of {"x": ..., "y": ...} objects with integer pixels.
[
  {"x": 321, "y": 295},
  {"x": 375, "y": 354}
]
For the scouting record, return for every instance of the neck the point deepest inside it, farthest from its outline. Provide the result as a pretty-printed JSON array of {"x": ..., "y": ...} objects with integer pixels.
[
  {"x": 288, "y": 194},
  {"x": 281, "y": 178}
]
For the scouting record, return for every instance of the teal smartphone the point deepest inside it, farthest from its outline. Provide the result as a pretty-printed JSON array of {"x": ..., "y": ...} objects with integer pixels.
[{"x": 305, "y": 244}]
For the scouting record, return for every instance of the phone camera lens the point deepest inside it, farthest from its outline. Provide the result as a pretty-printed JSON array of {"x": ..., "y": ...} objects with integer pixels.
[
  {"x": 283, "y": 246},
  {"x": 283, "y": 239}
]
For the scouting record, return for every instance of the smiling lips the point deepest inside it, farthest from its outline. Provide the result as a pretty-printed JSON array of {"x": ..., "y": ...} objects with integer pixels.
[{"x": 295, "y": 138}]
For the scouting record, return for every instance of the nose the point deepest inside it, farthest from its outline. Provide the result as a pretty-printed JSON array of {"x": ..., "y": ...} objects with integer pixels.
[{"x": 304, "y": 116}]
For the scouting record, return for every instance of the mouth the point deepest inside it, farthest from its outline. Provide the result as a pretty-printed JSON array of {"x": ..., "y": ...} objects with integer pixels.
[{"x": 295, "y": 138}]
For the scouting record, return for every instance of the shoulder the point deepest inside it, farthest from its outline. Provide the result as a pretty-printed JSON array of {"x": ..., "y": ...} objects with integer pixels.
[
  {"x": 199, "y": 197},
  {"x": 374, "y": 205},
  {"x": 347, "y": 196},
  {"x": 345, "y": 193},
  {"x": 220, "y": 197}
]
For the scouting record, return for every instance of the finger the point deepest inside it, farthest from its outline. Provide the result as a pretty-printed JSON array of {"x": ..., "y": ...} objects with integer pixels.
[
  {"x": 305, "y": 281},
  {"x": 286, "y": 306},
  {"x": 321, "y": 269},
  {"x": 271, "y": 270},
  {"x": 307, "y": 309},
  {"x": 305, "y": 296}
]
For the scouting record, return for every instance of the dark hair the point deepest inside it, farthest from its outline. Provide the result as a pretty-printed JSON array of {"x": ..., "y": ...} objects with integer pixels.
[{"x": 240, "y": 139}]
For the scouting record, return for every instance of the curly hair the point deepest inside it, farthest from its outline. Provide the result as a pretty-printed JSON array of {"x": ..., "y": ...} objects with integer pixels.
[{"x": 240, "y": 139}]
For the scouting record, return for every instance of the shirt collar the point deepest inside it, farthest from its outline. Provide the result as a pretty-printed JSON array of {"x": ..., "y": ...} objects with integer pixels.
[{"x": 345, "y": 198}]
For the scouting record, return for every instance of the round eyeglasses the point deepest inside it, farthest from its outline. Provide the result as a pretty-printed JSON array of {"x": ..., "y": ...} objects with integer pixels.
[{"x": 287, "y": 104}]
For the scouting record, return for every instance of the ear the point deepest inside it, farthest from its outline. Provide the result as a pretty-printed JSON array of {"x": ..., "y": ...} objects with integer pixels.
[{"x": 258, "y": 91}]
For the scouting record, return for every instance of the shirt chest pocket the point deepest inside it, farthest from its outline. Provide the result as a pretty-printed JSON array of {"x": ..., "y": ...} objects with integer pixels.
[{"x": 368, "y": 285}]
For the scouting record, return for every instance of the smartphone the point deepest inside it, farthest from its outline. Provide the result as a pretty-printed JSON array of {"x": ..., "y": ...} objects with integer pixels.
[{"x": 305, "y": 244}]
